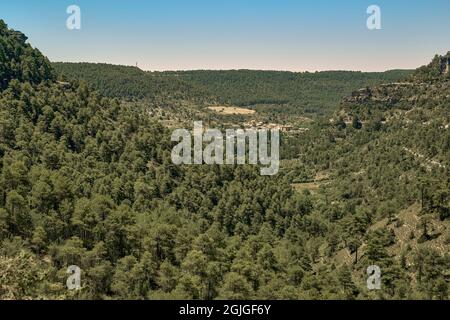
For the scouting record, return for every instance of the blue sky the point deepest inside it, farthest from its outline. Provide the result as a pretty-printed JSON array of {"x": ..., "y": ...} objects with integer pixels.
[{"x": 296, "y": 35}]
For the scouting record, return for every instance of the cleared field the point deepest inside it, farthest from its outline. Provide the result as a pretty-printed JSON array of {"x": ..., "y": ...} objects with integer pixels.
[{"x": 231, "y": 110}]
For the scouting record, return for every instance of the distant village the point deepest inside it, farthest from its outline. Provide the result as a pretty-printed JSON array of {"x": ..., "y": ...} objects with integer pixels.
[{"x": 254, "y": 124}]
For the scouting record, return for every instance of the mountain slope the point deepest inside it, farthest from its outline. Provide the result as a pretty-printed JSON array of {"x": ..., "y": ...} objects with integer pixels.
[
  {"x": 19, "y": 61},
  {"x": 87, "y": 180},
  {"x": 127, "y": 82},
  {"x": 286, "y": 92},
  {"x": 386, "y": 154}
]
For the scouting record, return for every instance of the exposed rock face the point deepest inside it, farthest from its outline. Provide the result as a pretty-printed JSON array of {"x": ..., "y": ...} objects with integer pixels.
[
  {"x": 360, "y": 96},
  {"x": 387, "y": 93},
  {"x": 445, "y": 64},
  {"x": 405, "y": 95},
  {"x": 429, "y": 83}
]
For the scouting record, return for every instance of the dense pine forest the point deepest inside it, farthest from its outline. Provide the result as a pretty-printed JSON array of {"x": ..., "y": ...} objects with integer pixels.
[
  {"x": 86, "y": 179},
  {"x": 268, "y": 91}
]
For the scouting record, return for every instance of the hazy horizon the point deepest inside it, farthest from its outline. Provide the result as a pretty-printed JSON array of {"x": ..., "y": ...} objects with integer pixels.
[
  {"x": 286, "y": 35},
  {"x": 240, "y": 69}
]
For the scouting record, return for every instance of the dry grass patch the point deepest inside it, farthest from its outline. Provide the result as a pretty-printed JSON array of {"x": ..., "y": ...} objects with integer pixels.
[{"x": 231, "y": 110}]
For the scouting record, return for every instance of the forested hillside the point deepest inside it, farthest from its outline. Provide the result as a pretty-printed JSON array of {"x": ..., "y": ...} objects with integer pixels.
[
  {"x": 128, "y": 82},
  {"x": 267, "y": 91},
  {"x": 20, "y": 61},
  {"x": 287, "y": 92},
  {"x": 86, "y": 179},
  {"x": 386, "y": 159}
]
